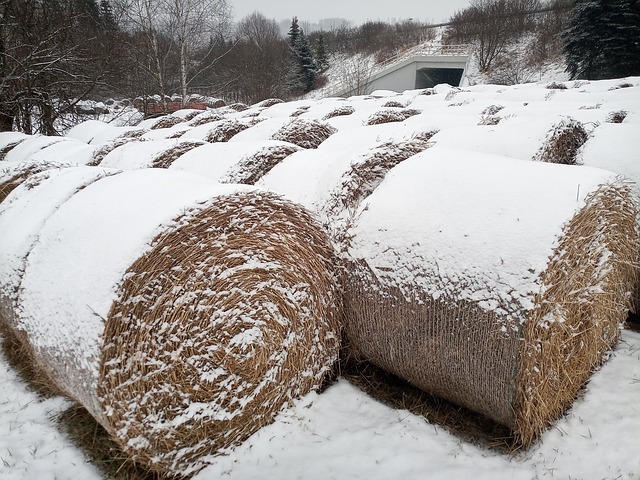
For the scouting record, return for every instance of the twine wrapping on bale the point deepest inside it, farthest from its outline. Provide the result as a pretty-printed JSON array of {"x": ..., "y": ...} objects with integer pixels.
[
  {"x": 563, "y": 142},
  {"x": 512, "y": 334},
  {"x": 253, "y": 167},
  {"x": 229, "y": 313},
  {"x": 304, "y": 133}
]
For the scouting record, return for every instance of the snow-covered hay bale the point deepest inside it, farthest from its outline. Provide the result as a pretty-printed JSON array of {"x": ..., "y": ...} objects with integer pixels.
[
  {"x": 563, "y": 142},
  {"x": 253, "y": 167},
  {"x": 389, "y": 115},
  {"x": 166, "y": 121},
  {"x": 148, "y": 154},
  {"x": 227, "y": 129},
  {"x": 269, "y": 102},
  {"x": 461, "y": 284},
  {"x": 238, "y": 107},
  {"x": 185, "y": 324},
  {"x": 340, "y": 111},
  {"x": 205, "y": 117},
  {"x": 304, "y": 133},
  {"x": 13, "y": 174}
]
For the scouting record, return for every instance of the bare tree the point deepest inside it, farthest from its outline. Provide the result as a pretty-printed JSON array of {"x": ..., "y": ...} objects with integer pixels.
[
  {"x": 355, "y": 74},
  {"x": 193, "y": 24}
]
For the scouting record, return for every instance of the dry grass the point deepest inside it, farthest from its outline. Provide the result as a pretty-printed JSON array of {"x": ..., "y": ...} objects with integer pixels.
[
  {"x": 238, "y": 107},
  {"x": 394, "y": 104},
  {"x": 617, "y": 117},
  {"x": 340, "y": 111},
  {"x": 556, "y": 86},
  {"x": 388, "y": 116},
  {"x": 562, "y": 143},
  {"x": 300, "y": 111},
  {"x": 227, "y": 129},
  {"x": 166, "y": 158},
  {"x": 304, "y": 133},
  {"x": 227, "y": 319},
  {"x": 572, "y": 328},
  {"x": 253, "y": 167}
]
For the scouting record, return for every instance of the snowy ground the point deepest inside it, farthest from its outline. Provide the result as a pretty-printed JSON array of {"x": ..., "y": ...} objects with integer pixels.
[{"x": 344, "y": 434}]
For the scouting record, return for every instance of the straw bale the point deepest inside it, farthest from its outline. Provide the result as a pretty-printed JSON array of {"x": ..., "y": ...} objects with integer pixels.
[
  {"x": 556, "y": 86},
  {"x": 133, "y": 134},
  {"x": 185, "y": 345},
  {"x": 106, "y": 148},
  {"x": 238, "y": 107},
  {"x": 520, "y": 363},
  {"x": 563, "y": 142},
  {"x": 234, "y": 314},
  {"x": 206, "y": 117},
  {"x": 304, "y": 133},
  {"x": 226, "y": 129},
  {"x": 269, "y": 102},
  {"x": 387, "y": 116},
  {"x": 393, "y": 103},
  {"x": 363, "y": 178},
  {"x": 167, "y": 121},
  {"x": 253, "y": 167},
  {"x": 166, "y": 158},
  {"x": 340, "y": 111}
]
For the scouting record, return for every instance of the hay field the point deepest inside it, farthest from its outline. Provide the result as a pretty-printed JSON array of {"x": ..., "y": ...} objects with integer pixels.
[{"x": 369, "y": 424}]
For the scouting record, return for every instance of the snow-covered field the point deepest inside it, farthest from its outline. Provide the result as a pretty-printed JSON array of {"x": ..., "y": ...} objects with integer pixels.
[{"x": 343, "y": 433}]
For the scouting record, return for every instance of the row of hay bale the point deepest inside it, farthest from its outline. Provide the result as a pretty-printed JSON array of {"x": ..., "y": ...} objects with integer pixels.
[{"x": 496, "y": 284}]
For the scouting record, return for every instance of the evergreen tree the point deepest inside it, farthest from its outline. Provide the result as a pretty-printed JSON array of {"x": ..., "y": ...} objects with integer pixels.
[
  {"x": 322, "y": 58},
  {"x": 602, "y": 39},
  {"x": 302, "y": 65}
]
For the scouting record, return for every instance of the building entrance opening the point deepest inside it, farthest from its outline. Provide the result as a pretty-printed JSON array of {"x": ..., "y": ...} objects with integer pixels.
[{"x": 430, "y": 77}]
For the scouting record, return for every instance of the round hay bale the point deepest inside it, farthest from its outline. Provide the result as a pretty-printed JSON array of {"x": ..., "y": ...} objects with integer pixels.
[
  {"x": 13, "y": 174},
  {"x": 253, "y": 167},
  {"x": 387, "y": 116},
  {"x": 226, "y": 129},
  {"x": 304, "y": 133},
  {"x": 269, "y": 102},
  {"x": 461, "y": 284},
  {"x": 340, "y": 111},
  {"x": 183, "y": 325},
  {"x": 238, "y": 107},
  {"x": 23, "y": 151},
  {"x": 103, "y": 150},
  {"x": 166, "y": 121},
  {"x": 563, "y": 142},
  {"x": 205, "y": 117}
]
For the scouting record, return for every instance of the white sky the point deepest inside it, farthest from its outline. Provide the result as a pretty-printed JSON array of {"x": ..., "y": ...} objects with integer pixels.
[{"x": 357, "y": 11}]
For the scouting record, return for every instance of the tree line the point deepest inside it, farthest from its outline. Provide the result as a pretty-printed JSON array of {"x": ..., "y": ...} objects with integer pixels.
[{"x": 54, "y": 53}]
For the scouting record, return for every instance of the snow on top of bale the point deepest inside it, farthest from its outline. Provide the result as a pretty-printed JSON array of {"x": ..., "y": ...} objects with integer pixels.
[
  {"x": 253, "y": 167},
  {"x": 563, "y": 142},
  {"x": 87, "y": 130},
  {"x": 78, "y": 153},
  {"x": 24, "y": 213},
  {"x": 25, "y": 149},
  {"x": 113, "y": 133},
  {"x": 484, "y": 225},
  {"x": 152, "y": 153}
]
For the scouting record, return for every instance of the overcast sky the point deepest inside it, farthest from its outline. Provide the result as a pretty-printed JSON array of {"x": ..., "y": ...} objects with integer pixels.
[{"x": 358, "y": 11}]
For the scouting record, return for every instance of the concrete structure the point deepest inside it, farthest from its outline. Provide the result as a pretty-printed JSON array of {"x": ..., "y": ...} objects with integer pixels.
[{"x": 418, "y": 68}]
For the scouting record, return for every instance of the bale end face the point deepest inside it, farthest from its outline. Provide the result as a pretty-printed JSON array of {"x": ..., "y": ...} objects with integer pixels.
[
  {"x": 226, "y": 320},
  {"x": 584, "y": 300}
]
